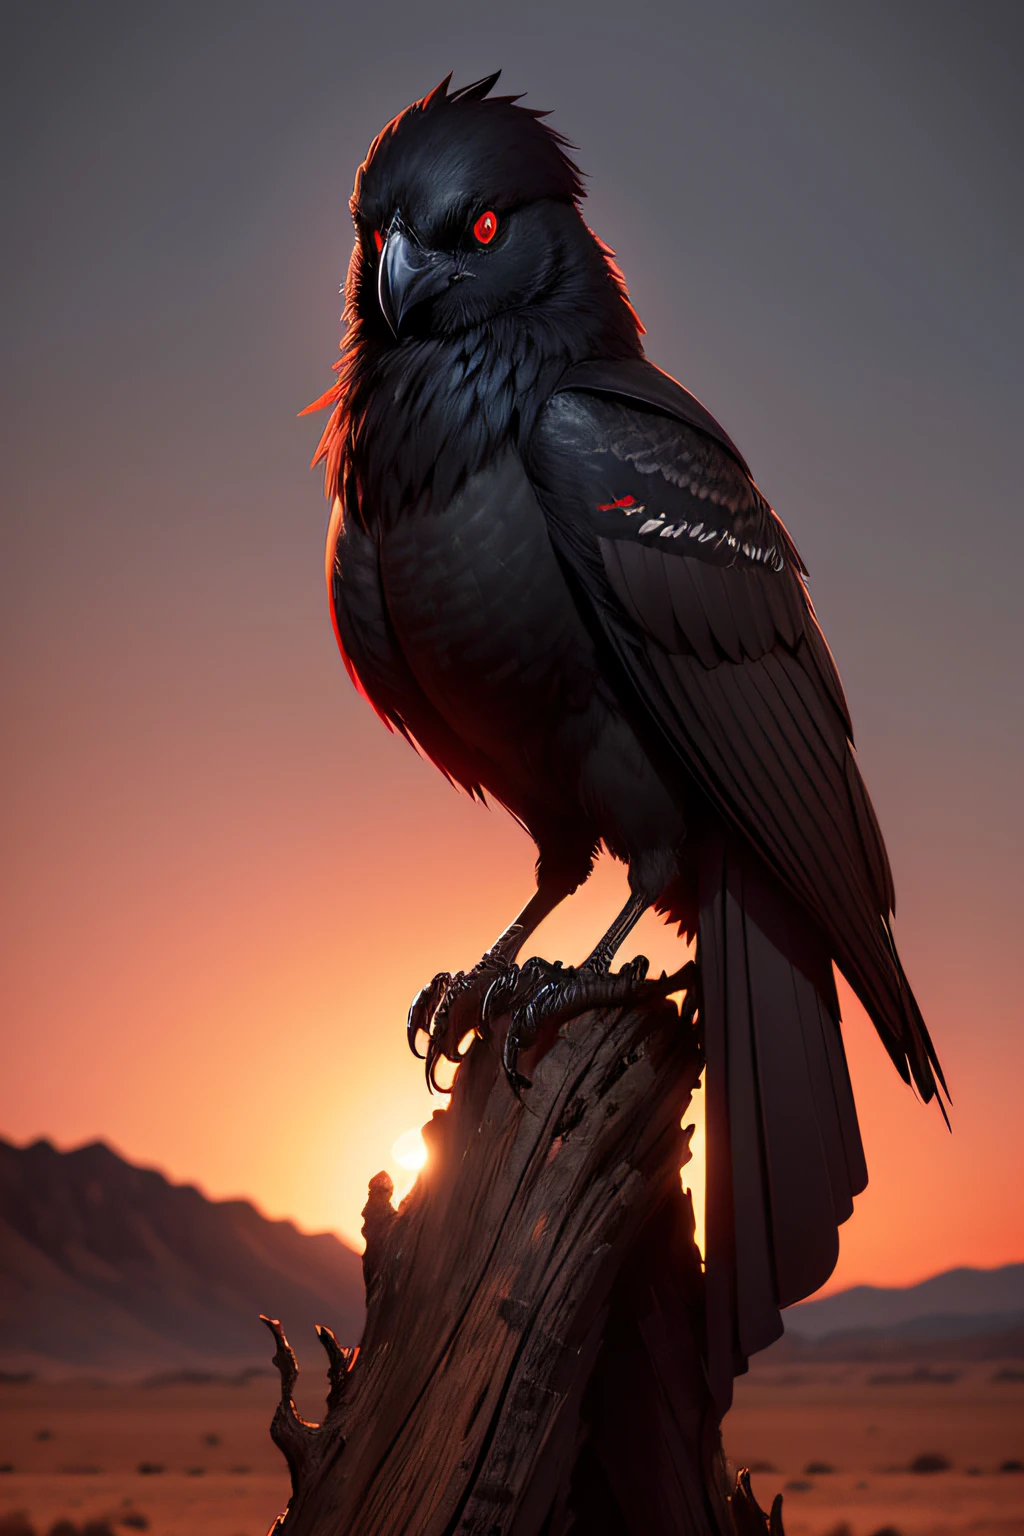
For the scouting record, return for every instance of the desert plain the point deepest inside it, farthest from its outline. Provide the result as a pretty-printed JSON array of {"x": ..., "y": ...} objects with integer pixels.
[{"x": 838, "y": 1441}]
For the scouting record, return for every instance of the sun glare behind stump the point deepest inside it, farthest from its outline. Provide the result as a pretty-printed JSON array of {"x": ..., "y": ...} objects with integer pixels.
[{"x": 410, "y": 1150}]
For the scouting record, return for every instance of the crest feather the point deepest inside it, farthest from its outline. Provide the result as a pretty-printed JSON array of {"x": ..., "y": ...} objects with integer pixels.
[
  {"x": 478, "y": 90},
  {"x": 439, "y": 93}
]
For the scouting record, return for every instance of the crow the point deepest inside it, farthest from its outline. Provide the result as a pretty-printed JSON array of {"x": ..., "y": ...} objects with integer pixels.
[{"x": 551, "y": 569}]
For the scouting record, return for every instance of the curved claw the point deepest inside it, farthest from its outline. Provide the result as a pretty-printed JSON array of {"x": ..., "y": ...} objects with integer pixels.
[
  {"x": 503, "y": 986},
  {"x": 433, "y": 1056},
  {"x": 526, "y": 1020},
  {"x": 454, "y": 985},
  {"x": 424, "y": 1006},
  {"x": 510, "y": 1060}
]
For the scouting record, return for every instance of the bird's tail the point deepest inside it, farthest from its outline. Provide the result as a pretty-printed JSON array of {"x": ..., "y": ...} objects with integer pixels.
[
  {"x": 784, "y": 1153},
  {"x": 887, "y": 996}
]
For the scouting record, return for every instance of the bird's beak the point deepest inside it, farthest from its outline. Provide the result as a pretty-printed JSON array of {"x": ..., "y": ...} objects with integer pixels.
[{"x": 408, "y": 275}]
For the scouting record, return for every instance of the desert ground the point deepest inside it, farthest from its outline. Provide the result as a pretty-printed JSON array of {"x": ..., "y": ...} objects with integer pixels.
[
  {"x": 838, "y": 1442},
  {"x": 835, "y": 1440}
]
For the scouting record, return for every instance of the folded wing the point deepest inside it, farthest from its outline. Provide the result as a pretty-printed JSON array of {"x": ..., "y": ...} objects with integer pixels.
[{"x": 699, "y": 595}]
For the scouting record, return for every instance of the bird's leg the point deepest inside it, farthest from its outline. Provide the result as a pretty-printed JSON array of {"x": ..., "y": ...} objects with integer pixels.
[
  {"x": 540, "y": 993},
  {"x": 599, "y": 961},
  {"x": 451, "y": 1006}
]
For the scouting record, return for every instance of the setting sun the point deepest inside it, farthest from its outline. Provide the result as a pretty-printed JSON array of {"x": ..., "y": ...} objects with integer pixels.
[{"x": 410, "y": 1150}]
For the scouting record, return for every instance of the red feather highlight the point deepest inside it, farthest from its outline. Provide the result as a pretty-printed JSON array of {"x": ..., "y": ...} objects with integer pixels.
[
  {"x": 618, "y": 278},
  {"x": 333, "y": 531},
  {"x": 332, "y": 439}
]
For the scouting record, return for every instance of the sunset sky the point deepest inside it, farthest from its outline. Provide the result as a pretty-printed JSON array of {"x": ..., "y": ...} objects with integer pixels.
[{"x": 225, "y": 880}]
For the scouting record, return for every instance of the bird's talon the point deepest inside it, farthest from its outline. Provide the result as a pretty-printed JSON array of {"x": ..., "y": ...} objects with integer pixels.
[
  {"x": 546, "y": 994},
  {"x": 503, "y": 985},
  {"x": 424, "y": 1006},
  {"x": 510, "y": 1059},
  {"x": 453, "y": 1006},
  {"x": 433, "y": 1057}
]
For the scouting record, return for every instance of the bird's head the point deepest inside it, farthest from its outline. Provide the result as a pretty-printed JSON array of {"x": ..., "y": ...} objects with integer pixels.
[
  {"x": 473, "y": 281},
  {"x": 467, "y": 209}
]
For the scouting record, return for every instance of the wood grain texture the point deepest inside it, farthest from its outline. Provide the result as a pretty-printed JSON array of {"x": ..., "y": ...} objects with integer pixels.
[{"x": 533, "y": 1355}]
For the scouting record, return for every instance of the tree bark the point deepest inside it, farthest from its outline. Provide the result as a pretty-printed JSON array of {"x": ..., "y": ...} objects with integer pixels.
[{"x": 533, "y": 1356}]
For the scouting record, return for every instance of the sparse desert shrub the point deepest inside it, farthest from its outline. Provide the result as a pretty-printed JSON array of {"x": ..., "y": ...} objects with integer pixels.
[
  {"x": 761, "y": 1466},
  {"x": 842, "y": 1529},
  {"x": 921, "y": 1375},
  {"x": 150, "y": 1468},
  {"x": 798, "y": 1485},
  {"x": 97, "y": 1528},
  {"x": 16, "y": 1524},
  {"x": 63, "y": 1528},
  {"x": 211, "y": 1439},
  {"x": 818, "y": 1468},
  {"x": 930, "y": 1461},
  {"x": 135, "y": 1520},
  {"x": 1011, "y": 1466},
  {"x": 887, "y": 1530}
]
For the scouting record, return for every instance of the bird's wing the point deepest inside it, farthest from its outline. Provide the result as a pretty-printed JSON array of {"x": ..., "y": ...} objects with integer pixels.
[
  {"x": 697, "y": 593},
  {"x": 373, "y": 657}
]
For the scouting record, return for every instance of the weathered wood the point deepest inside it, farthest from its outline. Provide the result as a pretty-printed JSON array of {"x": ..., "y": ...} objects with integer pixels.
[{"x": 532, "y": 1360}]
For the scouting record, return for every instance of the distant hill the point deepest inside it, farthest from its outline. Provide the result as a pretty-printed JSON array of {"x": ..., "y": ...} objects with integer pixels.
[
  {"x": 961, "y": 1314},
  {"x": 974, "y": 1295},
  {"x": 112, "y": 1269}
]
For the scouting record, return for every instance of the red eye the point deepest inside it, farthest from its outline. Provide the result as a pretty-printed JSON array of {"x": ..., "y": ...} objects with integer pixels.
[
  {"x": 378, "y": 240},
  {"x": 486, "y": 227}
]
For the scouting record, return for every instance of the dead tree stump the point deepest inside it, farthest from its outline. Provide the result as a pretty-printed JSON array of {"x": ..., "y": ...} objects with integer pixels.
[{"x": 533, "y": 1360}]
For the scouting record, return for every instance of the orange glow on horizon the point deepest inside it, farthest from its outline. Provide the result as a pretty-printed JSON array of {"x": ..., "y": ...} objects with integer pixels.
[{"x": 250, "y": 1026}]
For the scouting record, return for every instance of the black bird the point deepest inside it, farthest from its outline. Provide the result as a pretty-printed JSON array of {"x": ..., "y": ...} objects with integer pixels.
[{"x": 551, "y": 569}]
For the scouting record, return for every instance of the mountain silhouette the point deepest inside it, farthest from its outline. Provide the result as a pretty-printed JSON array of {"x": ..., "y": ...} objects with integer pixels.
[
  {"x": 959, "y": 1302},
  {"x": 113, "y": 1269}
]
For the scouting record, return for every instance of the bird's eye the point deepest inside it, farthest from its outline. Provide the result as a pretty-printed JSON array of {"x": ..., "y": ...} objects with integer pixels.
[
  {"x": 486, "y": 227},
  {"x": 378, "y": 240}
]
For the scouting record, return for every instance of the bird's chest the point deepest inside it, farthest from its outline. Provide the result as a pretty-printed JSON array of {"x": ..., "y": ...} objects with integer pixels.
[{"x": 482, "y": 612}]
